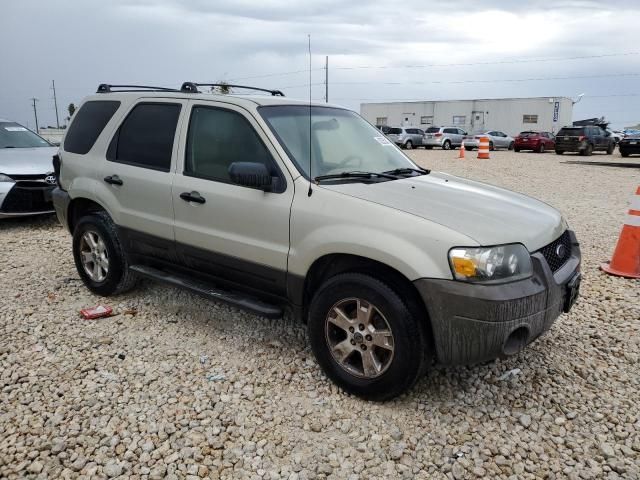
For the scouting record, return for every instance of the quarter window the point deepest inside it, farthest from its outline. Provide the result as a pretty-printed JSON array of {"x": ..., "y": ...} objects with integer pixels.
[
  {"x": 530, "y": 119},
  {"x": 145, "y": 138},
  {"x": 88, "y": 124},
  {"x": 459, "y": 119},
  {"x": 217, "y": 138}
]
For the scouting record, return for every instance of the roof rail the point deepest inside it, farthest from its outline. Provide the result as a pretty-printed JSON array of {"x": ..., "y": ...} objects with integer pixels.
[
  {"x": 106, "y": 88},
  {"x": 192, "y": 87}
]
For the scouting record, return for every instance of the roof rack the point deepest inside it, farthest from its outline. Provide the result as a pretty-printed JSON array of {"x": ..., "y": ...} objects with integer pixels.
[
  {"x": 192, "y": 87},
  {"x": 106, "y": 88}
]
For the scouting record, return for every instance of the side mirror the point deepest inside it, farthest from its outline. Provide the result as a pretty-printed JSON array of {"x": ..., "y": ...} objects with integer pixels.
[{"x": 251, "y": 174}]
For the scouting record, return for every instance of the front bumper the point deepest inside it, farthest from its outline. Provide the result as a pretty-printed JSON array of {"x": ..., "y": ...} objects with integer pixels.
[
  {"x": 25, "y": 198},
  {"x": 473, "y": 323},
  {"x": 61, "y": 201},
  {"x": 528, "y": 145}
]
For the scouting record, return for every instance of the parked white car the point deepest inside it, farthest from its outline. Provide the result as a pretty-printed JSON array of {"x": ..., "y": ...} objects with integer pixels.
[
  {"x": 26, "y": 171},
  {"x": 497, "y": 139},
  {"x": 390, "y": 265}
]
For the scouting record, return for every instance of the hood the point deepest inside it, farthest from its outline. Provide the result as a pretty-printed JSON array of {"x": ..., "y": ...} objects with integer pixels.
[
  {"x": 27, "y": 161},
  {"x": 489, "y": 215}
]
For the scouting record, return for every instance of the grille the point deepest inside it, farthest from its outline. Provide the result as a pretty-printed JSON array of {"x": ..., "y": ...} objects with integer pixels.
[
  {"x": 549, "y": 252},
  {"x": 19, "y": 178},
  {"x": 26, "y": 200}
]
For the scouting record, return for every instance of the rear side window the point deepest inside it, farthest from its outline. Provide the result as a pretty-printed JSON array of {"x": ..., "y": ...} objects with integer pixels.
[
  {"x": 216, "y": 139},
  {"x": 145, "y": 138},
  {"x": 87, "y": 125},
  {"x": 451, "y": 130}
]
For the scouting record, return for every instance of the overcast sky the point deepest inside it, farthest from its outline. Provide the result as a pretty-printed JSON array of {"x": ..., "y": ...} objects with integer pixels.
[{"x": 420, "y": 44}]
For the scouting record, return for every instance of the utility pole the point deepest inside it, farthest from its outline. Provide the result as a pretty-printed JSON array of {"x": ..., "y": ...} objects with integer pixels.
[
  {"x": 55, "y": 101},
  {"x": 35, "y": 113},
  {"x": 326, "y": 79}
]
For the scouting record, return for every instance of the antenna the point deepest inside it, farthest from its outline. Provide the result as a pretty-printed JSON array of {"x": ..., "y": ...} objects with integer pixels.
[{"x": 310, "y": 149}]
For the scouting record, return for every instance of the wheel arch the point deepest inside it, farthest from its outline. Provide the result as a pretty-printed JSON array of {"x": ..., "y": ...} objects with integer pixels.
[
  {"x": 333, "y": 264},
  {"x": 78, "y": 207}
]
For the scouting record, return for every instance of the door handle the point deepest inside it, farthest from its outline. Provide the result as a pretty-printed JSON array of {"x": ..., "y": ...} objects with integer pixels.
[
  {"x": 113, "y": 180},
  {"x": 192, "y": 197}
]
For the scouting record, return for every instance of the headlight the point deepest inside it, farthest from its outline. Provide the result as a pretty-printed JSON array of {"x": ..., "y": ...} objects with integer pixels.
[
  {"x": 5, "y": 178},
  {"x": 486, "y": 264}
]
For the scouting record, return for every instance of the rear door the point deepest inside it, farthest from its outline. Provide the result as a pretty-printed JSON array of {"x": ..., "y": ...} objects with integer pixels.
[
  {"x": 236, "y": 234},
  {"x": 137, "y": 175}
]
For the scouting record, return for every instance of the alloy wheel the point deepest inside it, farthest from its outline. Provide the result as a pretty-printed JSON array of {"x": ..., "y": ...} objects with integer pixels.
[
  {"x": 94, "y": 256},
  {"x": 359, "y": 338}
]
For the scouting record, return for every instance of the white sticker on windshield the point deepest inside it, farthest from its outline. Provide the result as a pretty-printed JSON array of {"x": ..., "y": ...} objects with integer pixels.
[
  {"x": 15, "y": 129},
  {"x": 382, "y": 141}
]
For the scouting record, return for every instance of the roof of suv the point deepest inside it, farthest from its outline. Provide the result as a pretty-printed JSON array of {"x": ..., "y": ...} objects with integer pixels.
[{"x": 241, "y": 100}]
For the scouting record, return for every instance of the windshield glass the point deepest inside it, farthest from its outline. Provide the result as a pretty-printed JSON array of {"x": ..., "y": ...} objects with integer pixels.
[
  {"x": 433, "y": 129},
  {"x": 341, "y": 141},
  {"x": 14, "y": 135},
  {"x": 395, "y": 131},
  {"x": 571, "y": 131}
]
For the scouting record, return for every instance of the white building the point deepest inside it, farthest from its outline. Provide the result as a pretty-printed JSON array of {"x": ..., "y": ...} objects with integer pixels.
[{"x": 509, "y": 115}]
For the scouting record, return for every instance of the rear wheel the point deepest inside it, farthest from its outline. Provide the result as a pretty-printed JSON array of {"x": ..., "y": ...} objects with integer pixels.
[
  {"x": 408, "y": 145},
  {"x": 611, "y": 148},
  {"x": 541, "y": 148},
  {"x": 100, "y": 260},
  {"x": 446, "y": 145},
  {"x": 491, "y": 147},
  {"x": 516, "y": 150},
  {"x": 587, "y": 151},
  {"x": 624, "y": 154},
  {"x": 559, "y": 152},
  {"x": 511, "y": 146},
  {"x": 365, "y": 337}
]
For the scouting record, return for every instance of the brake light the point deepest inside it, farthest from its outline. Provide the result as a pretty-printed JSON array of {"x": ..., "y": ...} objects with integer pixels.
[
  {"x": 438, "y": 135},
  {"x": 582, "y": 138}
]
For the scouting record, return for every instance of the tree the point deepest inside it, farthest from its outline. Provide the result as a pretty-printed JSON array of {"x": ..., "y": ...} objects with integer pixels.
[{"x": 71, "y": 109}]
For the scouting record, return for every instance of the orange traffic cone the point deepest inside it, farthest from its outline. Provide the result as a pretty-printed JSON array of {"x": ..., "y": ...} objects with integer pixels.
[
  {"x": 626, "y": 257},
  {"x": 461, "y": 155},
  {"x": 483, "y": 148}
]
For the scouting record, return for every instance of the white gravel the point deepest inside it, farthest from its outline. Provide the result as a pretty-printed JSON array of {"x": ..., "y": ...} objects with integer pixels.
[{"x": 186, "y": 388}]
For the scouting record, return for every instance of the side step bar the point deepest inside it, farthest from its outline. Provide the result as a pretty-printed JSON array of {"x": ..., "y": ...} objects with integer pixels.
[{"x": 211, "y": 292}]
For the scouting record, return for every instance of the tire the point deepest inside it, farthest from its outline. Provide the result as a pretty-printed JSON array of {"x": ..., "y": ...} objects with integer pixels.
[
  {"x": 511, "y": 146},
  {"x": 446, "y": 145},
  {"x": 491, "y": 146},
  {"x": 516, "y": 150},
  {"x": 587, "y": 151},
  {"x": 469, "y": 149},
  {"x": 624, "y": 154},
  {"x": 611, "y": 148},
  {"x": 399, "y": 370},
  {"x": 117, "y": 278},
  {"x": 559, "y": 152},
  {"x": 541, "y": 148},
  {"x": 408, "y": 145}
]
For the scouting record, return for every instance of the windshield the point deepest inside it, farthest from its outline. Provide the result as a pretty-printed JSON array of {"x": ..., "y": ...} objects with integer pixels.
[
  {"x": 529, "y": 133},
  {"x": 395, "y": 131},
  {"x": 14, "y": 135},
  {"x": 341, "y": 141},
  {"x": 433, "y": 129}
]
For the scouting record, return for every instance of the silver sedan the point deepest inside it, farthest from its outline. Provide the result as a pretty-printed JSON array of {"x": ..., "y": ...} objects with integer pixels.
[{"x": 496, "y": 138}]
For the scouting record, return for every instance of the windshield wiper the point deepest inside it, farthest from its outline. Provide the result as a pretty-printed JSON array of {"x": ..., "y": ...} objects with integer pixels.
[
  {"x": 355, "y": 174},
  {"x": 402, "y": 171}
]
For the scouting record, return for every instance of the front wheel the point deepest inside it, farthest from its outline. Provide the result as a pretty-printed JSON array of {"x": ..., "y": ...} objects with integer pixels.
[
  {"x": 541, "y": 148},
  {"x": 624, "y": 154},
  {"x": 99, "y": 257},
  {"x": 491, "y": 146},
  {"x": 559, "y": 152},
  {"x": 365, "y": 338},
  {"x": 611, "y": 148},
  {"x": 511, "y": 145}
]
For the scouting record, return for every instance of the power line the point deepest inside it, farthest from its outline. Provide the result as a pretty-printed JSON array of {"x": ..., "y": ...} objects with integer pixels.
[
  {"x": 35, "y": 113},
  {"x": 55, "y": 102},
  {"x": 493, "y": 80},
  {"x": 435, "y": 65}
]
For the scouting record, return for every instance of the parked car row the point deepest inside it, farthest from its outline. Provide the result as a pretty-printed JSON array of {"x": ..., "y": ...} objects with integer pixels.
[{"x": 580, "y": 139}]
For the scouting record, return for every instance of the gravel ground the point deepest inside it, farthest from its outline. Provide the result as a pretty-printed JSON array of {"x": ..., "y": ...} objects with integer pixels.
[{"x": 178, "y": 387}]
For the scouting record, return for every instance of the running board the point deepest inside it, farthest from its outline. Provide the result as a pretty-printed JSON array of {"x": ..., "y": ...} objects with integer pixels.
[{"x": 210, "y": 291}]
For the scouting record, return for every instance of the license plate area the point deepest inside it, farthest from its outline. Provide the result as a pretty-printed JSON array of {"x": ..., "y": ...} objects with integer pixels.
[{"x": 572, "y": 292}]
